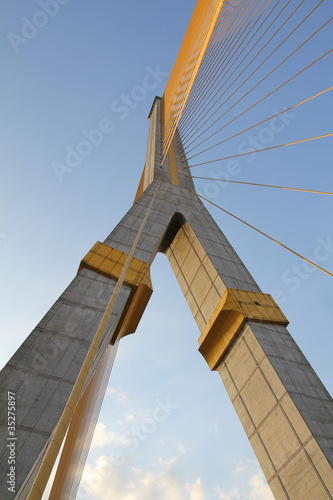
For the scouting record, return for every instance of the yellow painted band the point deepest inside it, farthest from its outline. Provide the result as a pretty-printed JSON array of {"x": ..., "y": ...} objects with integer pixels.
[
  {"x": 173, "y": 166},
  {"x": 110, "y": 262},
  {"x": 234, "y": 308},
  {"x": 186, "y": 66}
]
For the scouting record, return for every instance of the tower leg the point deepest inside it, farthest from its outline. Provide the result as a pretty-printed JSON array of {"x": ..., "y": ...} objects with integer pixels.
[
  {"x": 284, "y": 408},
  {"x": 44, "y": 369}
]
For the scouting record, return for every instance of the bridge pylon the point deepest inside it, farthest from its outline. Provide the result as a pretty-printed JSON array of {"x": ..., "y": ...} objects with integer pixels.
[{"x": 285, "y": 410}]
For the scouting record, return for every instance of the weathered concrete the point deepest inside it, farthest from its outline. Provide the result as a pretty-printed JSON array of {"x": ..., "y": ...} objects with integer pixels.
[
  {"x": 43, "y": 370},
  {"x": 285, "y": 410}
]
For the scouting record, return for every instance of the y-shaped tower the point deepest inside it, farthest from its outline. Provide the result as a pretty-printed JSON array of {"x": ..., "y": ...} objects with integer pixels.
[{"x": 284, "y": 408}]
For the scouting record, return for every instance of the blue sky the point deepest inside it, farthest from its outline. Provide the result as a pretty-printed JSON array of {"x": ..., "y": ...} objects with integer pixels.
[{"x": 69, "y": 76}]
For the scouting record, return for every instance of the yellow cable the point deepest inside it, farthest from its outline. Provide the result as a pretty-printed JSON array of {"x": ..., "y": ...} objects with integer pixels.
[
  {"x": 263, "y": 185},
  {"x": 266, "y": 76},
  {"x": 249, "y": 63},
  {"x": 260, "y": 123},
  {"x": 271, "y": 93},
  {"x": 209, "y": 62},
  {"x": 188, "y": 127},
  {"x": 265, "y": 149},
  {"x": 264, "y": 234}
]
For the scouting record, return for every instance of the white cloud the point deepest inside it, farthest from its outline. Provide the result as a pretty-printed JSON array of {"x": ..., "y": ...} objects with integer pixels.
[
  {"x": 161, "y": 482},
  {"x": 117, "y": 394},
  {"x": 112, "y": 477},
  {"x": 229, "y": 496},
  {"x": 104, "y": 481},
  {"x": 103, "y": 437},
  {"x": 181, "y": 449},
  {"x": 260, "y": 489},
  {"x": 196, "y": 490},
  {"x": 167, "y": 464}
]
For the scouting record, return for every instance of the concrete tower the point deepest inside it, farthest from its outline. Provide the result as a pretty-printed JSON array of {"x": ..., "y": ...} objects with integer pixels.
[{"x": 286, "y": 412}]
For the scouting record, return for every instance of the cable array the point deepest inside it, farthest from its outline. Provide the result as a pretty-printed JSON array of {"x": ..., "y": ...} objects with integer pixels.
[
  {"x": 244, "y": 46},
  {"x": 265, "y": 234},
  {"x": 266, "y": 60}
]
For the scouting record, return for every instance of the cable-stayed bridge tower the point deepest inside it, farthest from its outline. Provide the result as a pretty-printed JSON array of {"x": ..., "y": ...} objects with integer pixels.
[{"x": 285, "y": 410}]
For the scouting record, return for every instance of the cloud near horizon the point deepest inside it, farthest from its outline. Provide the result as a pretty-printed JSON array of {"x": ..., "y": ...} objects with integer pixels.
[
  {"x": 161, "y": 481},
  {"x": 113, "y": 477},
  {"x": 104, "y": 481}
]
